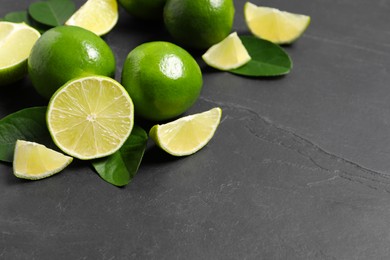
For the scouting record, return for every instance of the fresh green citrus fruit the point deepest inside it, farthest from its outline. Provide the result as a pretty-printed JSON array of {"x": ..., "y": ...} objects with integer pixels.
[
  {"x": 187, "y": 135},
  {"x": 90, "y": 117},
  {"x": 228, "y": 54},
  {"x": 277, "y": 26},
  {"x": 16, "y": 41},
  {"x": 34, "y": 161},
  {"x": 98, "y": 16},
  {"x": 144, "y": 9},
  {"x": 199, "y": 23},
  {"x": 67, "y": 52},
  {"x": 163, "y": 80}
]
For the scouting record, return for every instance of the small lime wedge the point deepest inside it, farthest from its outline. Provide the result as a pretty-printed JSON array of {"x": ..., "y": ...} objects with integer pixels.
[
  {"x": 188, "y": 134},
  {"x": 34, "y": 161},
  {"x": 274, "y": 25},
  {"x": 98, "y": 16},
  {"x": 16, "y": 42},
  {"x": 228, "y": 54}
]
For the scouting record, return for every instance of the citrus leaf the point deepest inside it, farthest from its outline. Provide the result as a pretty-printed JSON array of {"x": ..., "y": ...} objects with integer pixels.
[
  {"x": 28, "y": 124},
  {"x": 52, "y": 12},
  {"x": 268, "y": 59},
  {"x": 17, "y": 17},
  {"x": 120, "y": 167}
]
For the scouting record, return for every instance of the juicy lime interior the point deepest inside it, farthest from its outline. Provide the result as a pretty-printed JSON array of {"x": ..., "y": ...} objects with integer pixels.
[
  {"x": 90, "y": 117},
  {"x": 188, "y": 134},
  {"x": 35, "y": 161},
  {"x": 227, "y": 54},
  {"x": 16, "y": 41},
  {"x": 275, "y": 25},
  {"x": 98, "y": 16}
]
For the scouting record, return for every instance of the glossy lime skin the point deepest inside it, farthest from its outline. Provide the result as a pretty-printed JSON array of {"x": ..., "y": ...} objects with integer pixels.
[
  {"x": 199, "y": 23},
  {"x": 162, "y": 79},
  {"x": 144, "y": 9},
  {"x": 67, "y": 52}
]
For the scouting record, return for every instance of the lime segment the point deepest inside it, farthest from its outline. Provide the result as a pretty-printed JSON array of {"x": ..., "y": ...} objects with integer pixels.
[
  {"x": 188, "y": 134},
  {"x": 277, "y": 26},
  {"x": 16, "y": 42},
  {"x": 98, "y": 16},
  {"x": 228, "y": 54},
  {"x": 35, "y": 161},
  {"x": 90, "y": 117}
]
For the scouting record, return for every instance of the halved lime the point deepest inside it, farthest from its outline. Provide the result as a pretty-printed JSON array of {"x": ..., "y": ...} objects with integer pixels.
[
  {"x": 274, "y": 25},
  {"x": 16, "y": 42},
  {"x": 98, "y": 16},
  {"x": 35, "y": 161},
  {"x": 188, "y": 134},
  {"x": 228, "y": 54},
  {"x": 90, "y": 117}
]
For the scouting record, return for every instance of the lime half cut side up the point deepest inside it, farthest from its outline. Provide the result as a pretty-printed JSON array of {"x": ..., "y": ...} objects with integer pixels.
[
  {"x": 98, "y": 16},
  {"x": 277, "y": 26},
  {"x": 90, "y": 117},
  {"x": 188, "y": 134},
  {"x": 228, "y": 54},
  {"x": 34, "y": 161},
  {"x": 16, "y": 42}
]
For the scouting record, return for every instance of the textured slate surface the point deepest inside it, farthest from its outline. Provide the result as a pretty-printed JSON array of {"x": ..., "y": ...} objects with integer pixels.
[{"x": 299, "y": 168}]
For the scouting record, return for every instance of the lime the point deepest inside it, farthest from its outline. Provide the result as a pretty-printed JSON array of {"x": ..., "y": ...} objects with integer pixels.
[
  {"x": 187, "y": 135},
  {"x": 90, "y": 117},
  {"x": 163, "y": 80},
  {"x": 16, "y": 41},
  {"x": 199, "y": 24},
  {"x": 277, "y": 26},
  {"x": 98, "y": 16},
  {"x": 34, "y": 161},
  {"x": 67, "y": 52},
  {"x": 144, "y": 9},
  {"x": 228, "y": 54}
]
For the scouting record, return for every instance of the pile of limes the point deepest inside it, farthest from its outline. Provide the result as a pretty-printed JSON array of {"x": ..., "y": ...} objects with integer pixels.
[{"x": 90, "y": 115}]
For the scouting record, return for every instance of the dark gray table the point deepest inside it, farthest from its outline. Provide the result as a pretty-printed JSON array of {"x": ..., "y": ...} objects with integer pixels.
[{"x": 299, "y": 167}]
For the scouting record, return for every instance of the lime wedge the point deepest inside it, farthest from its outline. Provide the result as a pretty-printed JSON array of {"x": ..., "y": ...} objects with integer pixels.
[
  {"x": 188, "y": 134},
  {"x": 90, "y": 117},
  {"x": 16, "y": 42},
  {"x": 277, "y": 26},
  {"x": 34, "y": 161},
  {"x": 98, "y": 16},
  {"x": 228, "y": 54}
]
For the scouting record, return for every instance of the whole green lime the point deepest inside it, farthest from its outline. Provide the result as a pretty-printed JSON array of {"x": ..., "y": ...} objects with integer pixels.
[
  {"x": 144, "y": 9},
  {"x": 67, "y": 52},
  {"x": 162, "y": 79},
  {"x": 199, "y": 23}
]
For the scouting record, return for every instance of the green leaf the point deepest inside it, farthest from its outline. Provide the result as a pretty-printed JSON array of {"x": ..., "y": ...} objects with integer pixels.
[
  {"x": 268, "y": 59},
  {"x": 17, "y": 17},
  {"x": 120, "y": 167},
  {"x": 28, "y": 124},
  {"x": 52, "y": 12}
]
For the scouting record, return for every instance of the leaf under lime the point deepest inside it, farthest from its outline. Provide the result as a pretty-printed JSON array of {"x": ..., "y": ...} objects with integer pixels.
[
  {"x": 52, "y": 12},
  {"x": 120, "y": 167},
  {"x": 268, "y": 59}
]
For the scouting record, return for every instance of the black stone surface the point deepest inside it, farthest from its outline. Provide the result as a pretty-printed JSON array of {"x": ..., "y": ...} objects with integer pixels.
[{"x": 298, "y": 169}]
